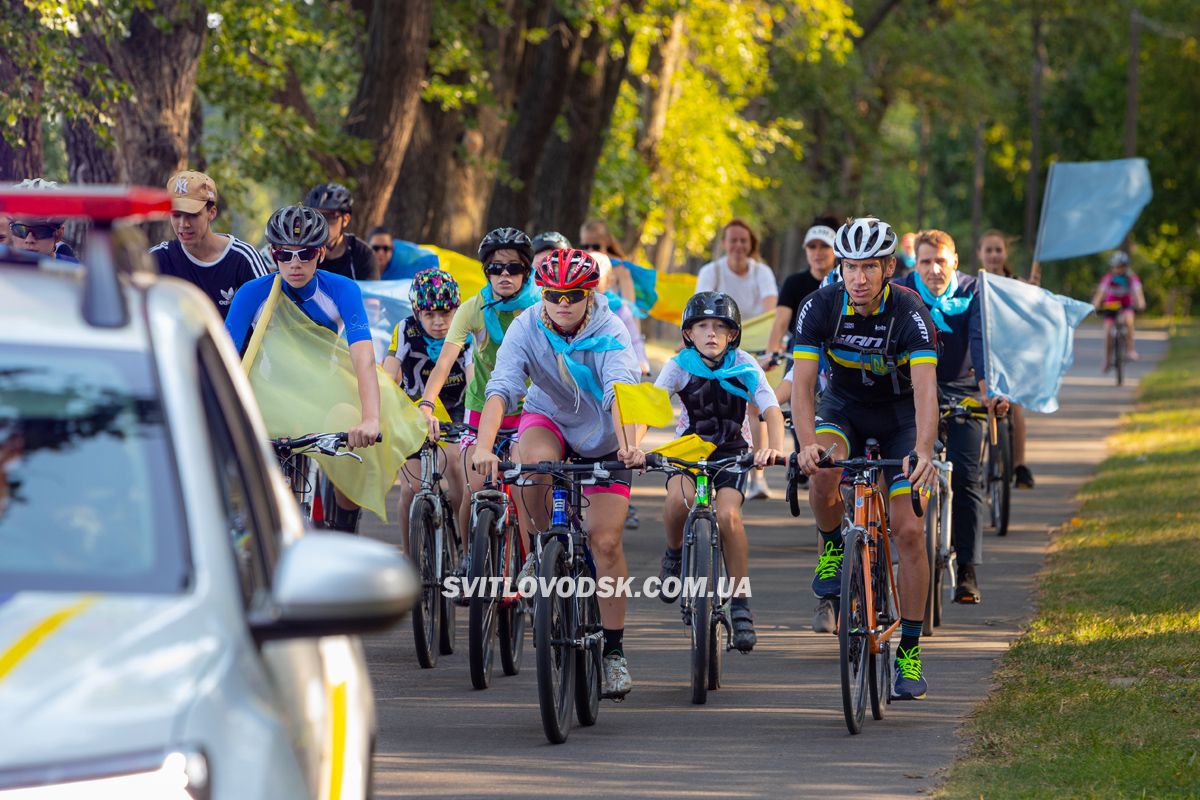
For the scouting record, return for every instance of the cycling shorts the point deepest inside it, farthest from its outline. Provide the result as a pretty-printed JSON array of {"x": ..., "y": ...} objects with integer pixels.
[
  {"x": 508, "y": 428},
  {"x": 893, "y": 425},
  {"x": 621, "y": 479}
]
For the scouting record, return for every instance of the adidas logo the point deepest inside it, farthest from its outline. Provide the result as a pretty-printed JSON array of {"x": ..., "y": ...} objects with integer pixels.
[{"x": 226, "y": 296}]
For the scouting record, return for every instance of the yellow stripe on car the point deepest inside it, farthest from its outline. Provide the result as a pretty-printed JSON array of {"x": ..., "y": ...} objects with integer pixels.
[
  {"x": 337, "y": 745},
  {"x": 30, "y": 640}
]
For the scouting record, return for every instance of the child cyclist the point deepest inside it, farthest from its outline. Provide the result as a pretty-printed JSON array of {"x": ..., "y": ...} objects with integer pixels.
[
  {"x": 717, "y": 383},
  {"x": 1118, "y": 296},
  {"x": 569, "y": 350},
  {"x": 506, "y": 255},
  {"x": 416, "y": 347}
]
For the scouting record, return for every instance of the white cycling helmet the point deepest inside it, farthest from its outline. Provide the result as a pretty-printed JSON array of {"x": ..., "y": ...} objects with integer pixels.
[
  {"x": 1118, "y": 259},
  {"x": 37, "y": 183},
  {"x": 865, "y": 237}
]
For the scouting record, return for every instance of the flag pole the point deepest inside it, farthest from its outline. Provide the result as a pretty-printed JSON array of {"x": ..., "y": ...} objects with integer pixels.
[{"x": 1037, "y": 245}]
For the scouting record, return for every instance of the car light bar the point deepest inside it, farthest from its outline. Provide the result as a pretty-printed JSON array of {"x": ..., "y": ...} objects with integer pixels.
[{"x": 98, "y": 203}]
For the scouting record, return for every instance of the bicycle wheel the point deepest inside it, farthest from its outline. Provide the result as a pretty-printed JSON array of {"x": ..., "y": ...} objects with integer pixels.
[
  {"x": 853, "y": 646},
  {"x": 588, "y": 662},
  {"x": 933, "y": 612},
  {"x": 719, "y": 632},
  {"x": 881, "y": 680},
  {"x": 426, "y": 612},
  {"x": 512, "y": 618},
  {"x": 450, "y": 560},
  {"x": 1000, "y": 477},
  {"x": 1119, "y": 353},
  {"x": 880, "y": 665},
  {"x": 553, "y": 629},
  {"x": 484, "y": 605},
  {"x": 699, "y": 570}
]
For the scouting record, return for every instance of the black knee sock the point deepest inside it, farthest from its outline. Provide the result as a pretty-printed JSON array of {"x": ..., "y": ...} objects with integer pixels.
[
  {"x": 910, "y": 634},
  {"x": 612, "y": 641}
]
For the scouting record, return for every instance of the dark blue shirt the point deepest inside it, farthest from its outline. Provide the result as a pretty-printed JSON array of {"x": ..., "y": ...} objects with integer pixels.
[{"x": 961, "y": 363}]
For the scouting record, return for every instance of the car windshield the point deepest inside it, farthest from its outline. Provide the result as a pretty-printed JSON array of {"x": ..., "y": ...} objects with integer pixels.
[{"x": 88, "y": 497}]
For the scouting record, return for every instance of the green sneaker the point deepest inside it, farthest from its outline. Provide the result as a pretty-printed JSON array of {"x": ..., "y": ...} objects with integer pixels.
[
  {"x": 910, "y": 684},
  {"x": 828, "y": 580}
]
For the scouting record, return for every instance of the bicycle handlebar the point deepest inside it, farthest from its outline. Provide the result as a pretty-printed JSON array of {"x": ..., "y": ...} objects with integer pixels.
[
  {"x": 657, "y": 461},
  {"x": 863, "y": 464},
  {"x": 511, "y": 471}
]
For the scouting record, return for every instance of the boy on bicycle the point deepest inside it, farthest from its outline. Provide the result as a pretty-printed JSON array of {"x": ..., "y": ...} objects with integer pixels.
[
  {"x": 563, "y": 358},
  {"x": 416, "y": 347},
  {"x": 1117, "y": 297},
  {"x": 717, "y": 384}
]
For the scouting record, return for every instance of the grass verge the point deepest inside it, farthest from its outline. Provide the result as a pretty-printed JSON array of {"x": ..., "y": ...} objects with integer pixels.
[{"x": 1101, "y": 697}]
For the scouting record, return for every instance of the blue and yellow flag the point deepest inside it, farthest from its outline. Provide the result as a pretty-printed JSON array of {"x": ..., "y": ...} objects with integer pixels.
[{"x": 305, "y": 382}]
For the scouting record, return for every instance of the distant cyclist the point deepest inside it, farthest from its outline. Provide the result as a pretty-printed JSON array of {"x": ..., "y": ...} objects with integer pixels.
[
  {"x": 882, "y": 347},
  {"x": 1118, "y": 296},
  {"x": 546, "y": 243},
  {"x": 41, "y": 235},
  {"x": 219, "y": 263},
  {"x": 345, "y": 253}
]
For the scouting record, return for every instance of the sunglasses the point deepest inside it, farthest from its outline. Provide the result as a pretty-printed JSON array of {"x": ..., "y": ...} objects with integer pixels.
[
  {"x": 381, "y": 248},
  {"x": 282, "y": 256},
  {"x": 511, "y": 268},
  {"x": 572, "y": 296},
  {"x": 21, "y": 230},
  {"x": 593, "y": 247}
]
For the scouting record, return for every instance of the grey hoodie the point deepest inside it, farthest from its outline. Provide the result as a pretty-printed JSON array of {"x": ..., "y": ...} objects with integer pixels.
[{"x": 527, "y": 355}]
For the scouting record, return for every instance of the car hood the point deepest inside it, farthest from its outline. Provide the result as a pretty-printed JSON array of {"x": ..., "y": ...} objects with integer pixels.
[{"x": 85, "y": 676}]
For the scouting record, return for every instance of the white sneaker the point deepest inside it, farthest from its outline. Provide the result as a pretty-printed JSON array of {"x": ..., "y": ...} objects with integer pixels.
[
  {"x": 616, "y": 682},
  {"x": 758, "y": 490}
]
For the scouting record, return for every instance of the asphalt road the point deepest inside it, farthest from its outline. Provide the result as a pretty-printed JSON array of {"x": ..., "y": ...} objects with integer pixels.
[{"x": 775, "y": 729}]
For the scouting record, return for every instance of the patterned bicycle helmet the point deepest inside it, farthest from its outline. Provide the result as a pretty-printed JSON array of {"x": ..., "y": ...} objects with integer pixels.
[
  {"x": 329, "y": 197},
  {"x": 297, "y": 226},
  {"x": 1118, "y": 259},
  {"x": 506, "y": 239},
  {"x": 865, "y": 237},
  {"x": 568, "y": 269},
  {"x": 434, "y": 290},
  {"x": 712, "y": 305},
  {"x": 550, "y": 240}
]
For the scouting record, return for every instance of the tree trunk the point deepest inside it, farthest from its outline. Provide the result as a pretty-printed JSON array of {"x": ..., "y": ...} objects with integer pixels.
[
  {"x": 385, "y": 107},
  {"x": 1131, "y": 83},
  {"x": 555, "y": 61},
  {"x": 151, "y": 128},
  {"x": 922, "y": 167},
  {"x": 568, "y": 168},
  {"x": 1035, "y": 130},
  {"x": 21, "y": 148},
  {"x": 977, "y": 186}
]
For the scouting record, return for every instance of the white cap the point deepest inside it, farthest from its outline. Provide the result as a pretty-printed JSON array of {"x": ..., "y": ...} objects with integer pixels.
[{"x": 822, "y": 233}]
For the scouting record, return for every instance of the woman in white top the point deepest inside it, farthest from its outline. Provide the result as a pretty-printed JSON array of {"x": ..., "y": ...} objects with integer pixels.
[
  {"x": 750, "y": 283},
  {"x": 752, "y": 286}
]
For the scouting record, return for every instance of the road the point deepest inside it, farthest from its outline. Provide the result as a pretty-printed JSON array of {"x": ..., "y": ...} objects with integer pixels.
[{"x": 775, "y": 729}]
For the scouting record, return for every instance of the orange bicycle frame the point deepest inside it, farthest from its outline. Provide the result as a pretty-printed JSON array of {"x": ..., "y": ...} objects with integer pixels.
[{"x": 870, "y": 515}]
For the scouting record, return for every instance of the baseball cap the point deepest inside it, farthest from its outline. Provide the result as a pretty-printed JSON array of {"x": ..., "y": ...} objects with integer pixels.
[
  {"x": 822, "y": 233},
  {"x": 191, "y": 191}
]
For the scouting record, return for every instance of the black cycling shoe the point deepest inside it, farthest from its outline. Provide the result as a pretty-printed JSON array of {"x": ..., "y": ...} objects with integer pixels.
[
  {"x": 1022, "y": 477},
  {"x": 669, "y": 569},
  {"x": 744, "y": 637},
  {"x": 967, "y": 591}
]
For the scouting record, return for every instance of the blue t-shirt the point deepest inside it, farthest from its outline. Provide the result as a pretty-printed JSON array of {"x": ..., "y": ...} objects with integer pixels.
[{"x": 332, "y": 301}]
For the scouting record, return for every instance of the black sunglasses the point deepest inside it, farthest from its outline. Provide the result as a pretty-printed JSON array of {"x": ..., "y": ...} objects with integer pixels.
[
  {"x": 282, "y": 256},
  {"x": 593, "y": 247},
  {"x": 498, "y": 268},
  {"x": 21, "y": 230},
  {"x": 572, "y": 296},
  {"x": 381, "y": 248}
]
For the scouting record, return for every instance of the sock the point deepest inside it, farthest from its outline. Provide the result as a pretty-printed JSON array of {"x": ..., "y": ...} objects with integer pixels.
[
  {"x": 740, "y": 602},
  {"x": 834, "y": 536},
  {"x": 612, "y": 641},
  {"x": 675, "y": 552},
  {"x": 910, "y": 634}
]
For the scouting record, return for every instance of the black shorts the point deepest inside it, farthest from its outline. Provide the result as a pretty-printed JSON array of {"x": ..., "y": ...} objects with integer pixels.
[{"x": 893, "y": 425}]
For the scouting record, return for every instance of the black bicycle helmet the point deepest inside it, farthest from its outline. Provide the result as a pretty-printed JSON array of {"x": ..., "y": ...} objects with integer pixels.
[
  {"x": 550, "y": 240},
  {"x": 712, "y": 305},
  {"x": 297, "y": 226},
  {"x": 506, "y": 239},
  {"x": 329, "y": 197}
]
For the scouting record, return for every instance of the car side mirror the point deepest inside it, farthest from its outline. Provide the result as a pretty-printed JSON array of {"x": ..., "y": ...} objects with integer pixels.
[{"x": 335, "y": 584}]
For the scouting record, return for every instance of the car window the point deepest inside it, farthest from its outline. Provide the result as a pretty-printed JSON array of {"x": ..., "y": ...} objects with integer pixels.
[
  {"x": 89, "y": 495},
  {"x": 252, "y": 522}
]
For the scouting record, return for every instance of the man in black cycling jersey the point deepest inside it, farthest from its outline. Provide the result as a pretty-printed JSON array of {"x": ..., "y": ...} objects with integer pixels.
[
  {"x": 345, "y": 253},
  {"x": 882, "y": 351}
]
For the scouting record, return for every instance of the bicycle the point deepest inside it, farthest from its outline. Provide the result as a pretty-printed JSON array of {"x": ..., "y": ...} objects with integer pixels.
[
  {"x": 999, "y": 446},
  {"x": 870, "y": 600},
  {"x": 939, "y": 542},
  {"x": 1116, "y": 336},
  {"x": 497, "y": 552},
  {"x": 312, "y": 491},
  {"x": 434, "y": 549},
  {"x": 701, "y": 567},
  {"x": 567, "y": 634}
]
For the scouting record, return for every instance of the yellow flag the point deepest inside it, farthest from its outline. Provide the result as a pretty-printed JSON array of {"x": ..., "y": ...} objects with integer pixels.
[
  {"x": 305, "y": 382},
  {"x": 644, "y": 404},
  {"x": 439, "y": 409},
  {"x": 674, "y": 290},
  {"x": 467, "y": 271},
  {"x": 756, "y": 331},
  {"x": 689, "y": 448}
]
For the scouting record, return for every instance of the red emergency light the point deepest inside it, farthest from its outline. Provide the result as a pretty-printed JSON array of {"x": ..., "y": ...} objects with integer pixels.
[{"x": 96, "y": 202}]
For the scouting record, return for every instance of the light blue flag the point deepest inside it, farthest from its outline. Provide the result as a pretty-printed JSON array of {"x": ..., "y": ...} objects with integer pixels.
[
  {"x": 1090, "y": 206},
  {"x": 1029, "y": 336},
  {"x": 387, "y": 304}
]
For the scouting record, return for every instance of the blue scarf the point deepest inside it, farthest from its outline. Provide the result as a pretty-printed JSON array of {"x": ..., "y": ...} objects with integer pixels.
[
  {"x": 615, "y": 301},
  {"x": 691, "y": 360},
  {"x": 491, "y": 305},
  {"x": 433, "y": 347},
  {"x": 580, "y": 372},
  {"x": 944, "y": 305}
]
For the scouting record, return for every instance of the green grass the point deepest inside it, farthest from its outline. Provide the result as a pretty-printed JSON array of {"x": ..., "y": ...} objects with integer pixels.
[{"x": 1101, "y": 697}]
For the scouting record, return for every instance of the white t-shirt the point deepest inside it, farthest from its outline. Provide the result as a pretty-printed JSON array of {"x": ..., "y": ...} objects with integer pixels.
[
  {"x": 674, "y": 377},
  {"x": 749, "y": 291}
]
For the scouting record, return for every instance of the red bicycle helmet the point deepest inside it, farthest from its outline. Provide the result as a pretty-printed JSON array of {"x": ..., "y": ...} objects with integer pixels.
[{"x": 568, "y": 269}]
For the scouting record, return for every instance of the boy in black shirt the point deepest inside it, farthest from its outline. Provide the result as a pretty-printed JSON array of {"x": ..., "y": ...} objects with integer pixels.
[{"x": 345, "y": 253}]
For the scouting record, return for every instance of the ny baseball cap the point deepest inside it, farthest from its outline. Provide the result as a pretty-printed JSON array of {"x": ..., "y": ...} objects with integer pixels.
[
  {"x": 821, "y": 233},
  {"x": 191, "y": 191}
]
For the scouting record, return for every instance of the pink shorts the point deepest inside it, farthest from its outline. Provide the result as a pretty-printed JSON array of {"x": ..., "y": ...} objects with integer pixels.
[
  {"x": 507, "y": 425},
  {"x": 621, "y": 478}
]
